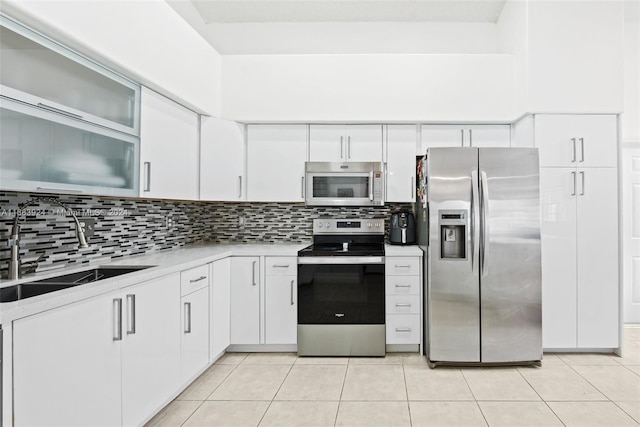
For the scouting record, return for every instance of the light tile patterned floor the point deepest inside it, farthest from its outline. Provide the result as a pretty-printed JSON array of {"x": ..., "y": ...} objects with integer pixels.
[{"x": 280, "y": 389}]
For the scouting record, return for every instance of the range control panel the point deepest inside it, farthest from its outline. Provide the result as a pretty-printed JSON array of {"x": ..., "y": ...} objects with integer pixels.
[{"x": 348, "y": 226}]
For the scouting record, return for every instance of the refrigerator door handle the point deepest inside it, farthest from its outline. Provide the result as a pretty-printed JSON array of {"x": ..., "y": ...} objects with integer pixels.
[
  {"x": 475, "y": 218},
  {"x": 484, "y": 189}
]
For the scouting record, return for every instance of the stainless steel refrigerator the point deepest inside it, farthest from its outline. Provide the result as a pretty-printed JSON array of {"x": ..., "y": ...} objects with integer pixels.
[{"x": 479, "y": 224}]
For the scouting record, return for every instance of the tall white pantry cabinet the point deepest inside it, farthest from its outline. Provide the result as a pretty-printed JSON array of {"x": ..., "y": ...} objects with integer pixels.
[{"x": 579, "y": 202}]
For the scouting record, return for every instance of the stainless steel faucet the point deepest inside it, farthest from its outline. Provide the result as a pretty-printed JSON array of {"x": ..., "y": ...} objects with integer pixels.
[{"x": 14, "y": 240}]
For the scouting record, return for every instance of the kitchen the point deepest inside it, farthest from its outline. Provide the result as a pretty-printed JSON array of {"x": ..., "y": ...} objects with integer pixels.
[{"x": 291, "y": 95}]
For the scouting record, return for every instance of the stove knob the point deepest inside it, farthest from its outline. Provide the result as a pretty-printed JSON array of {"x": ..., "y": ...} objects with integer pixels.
[
  {"x": 369, "y": 224},
  {"x": 320, "y": 225},
  {"x": 377, "y": 225},
  {"x": 328, "y": 225}
]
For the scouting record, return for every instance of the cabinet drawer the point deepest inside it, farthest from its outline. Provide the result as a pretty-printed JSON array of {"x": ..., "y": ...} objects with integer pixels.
[
  {"x": 403, "y": 329},
  {"x": 193, "y": 279},
  {"x": 402, "y": 304},
  {"x": 402, "y": 285},
  {"x": 402, "y": 266},
  {"x": 281, "y": 266}
]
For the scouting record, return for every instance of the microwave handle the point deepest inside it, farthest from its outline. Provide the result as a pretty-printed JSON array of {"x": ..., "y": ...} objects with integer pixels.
[{"x": 371, "y": 186}]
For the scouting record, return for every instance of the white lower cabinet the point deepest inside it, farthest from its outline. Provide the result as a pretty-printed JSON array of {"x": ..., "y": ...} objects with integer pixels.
[
  {"x": 245, "y": 300},
  {"x": 281, "y": 300},
  {"x": 403, "y": 300},
  {"x": 580, "y": 306},
  {"x": 194, "y": 321},
  {"x": 107, "y": 361},
  {"x": 220, "y": 307}
]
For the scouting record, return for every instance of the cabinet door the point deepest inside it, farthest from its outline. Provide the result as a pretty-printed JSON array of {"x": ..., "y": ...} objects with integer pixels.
[
  {"x": 168, "y": 149},
  {"x": 327, "y": 143},
  {"x": 281, "y": 310},
  {"x": 195, "y": 333},
  {"x": 577, "y": 140},
  {"x": 245, "y": 300},
  {"x": 401, "y": 163},
  {"x": 558, "y": 236},
  {"x": 66, "y": 366},
  {"x": 598, "y": 303},
  {"x": 151, "y": 347},
  {"x": 222, "y": 160},
  {"x": 363, "y": 143},
  {"x": 441, "y": 136},
  {"x": 275, "y": 162},
  {"x": 598, "y": 140},
  {"x": 488, "y": 136},
  {"x": 220, "y": 308}
]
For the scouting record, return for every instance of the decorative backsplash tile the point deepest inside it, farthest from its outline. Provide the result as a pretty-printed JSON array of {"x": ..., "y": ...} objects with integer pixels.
[{"x": 136, "y": 226}]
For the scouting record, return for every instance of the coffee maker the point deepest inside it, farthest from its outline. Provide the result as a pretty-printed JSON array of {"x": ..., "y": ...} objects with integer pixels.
[{"x": 402, "y": 228}]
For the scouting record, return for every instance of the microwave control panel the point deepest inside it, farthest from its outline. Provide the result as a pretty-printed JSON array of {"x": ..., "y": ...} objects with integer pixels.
[{"x": 378, "y": 185}]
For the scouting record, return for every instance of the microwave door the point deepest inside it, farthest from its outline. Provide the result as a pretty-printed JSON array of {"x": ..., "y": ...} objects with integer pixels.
[{"x": 346, "y": 189}]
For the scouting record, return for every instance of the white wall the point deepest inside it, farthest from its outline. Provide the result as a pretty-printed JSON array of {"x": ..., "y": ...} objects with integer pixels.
[
  {"x": 144, "y": 40},
  {"x": 575, "y": 56},
  {"x": 513, "y": 38},
  {"x": 631, "y": 116},
  {"x": 374, "y": 88}
]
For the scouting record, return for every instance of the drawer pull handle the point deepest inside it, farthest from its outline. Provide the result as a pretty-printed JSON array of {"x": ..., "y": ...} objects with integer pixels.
[
  {"x": 403, "y": 266},
  {"x": 198, "y": 279},
  {"x": 281, "y": 266},
  {"x": 403, "y": 329},
  {"x": 403, "y": 286},
  {"x": 403, "y": 304}
]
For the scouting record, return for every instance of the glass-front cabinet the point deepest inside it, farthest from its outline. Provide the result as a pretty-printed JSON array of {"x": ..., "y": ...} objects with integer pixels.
[
  {"x": 67, "y": 124},
  {"x": 44, "y": 153}
]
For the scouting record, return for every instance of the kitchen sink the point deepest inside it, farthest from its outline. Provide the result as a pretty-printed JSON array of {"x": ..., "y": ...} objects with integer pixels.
[{"x": 64, "y": 281}]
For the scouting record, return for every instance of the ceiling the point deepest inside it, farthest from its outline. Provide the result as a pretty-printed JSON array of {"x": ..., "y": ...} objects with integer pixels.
[{"x": 343, "y": 26}]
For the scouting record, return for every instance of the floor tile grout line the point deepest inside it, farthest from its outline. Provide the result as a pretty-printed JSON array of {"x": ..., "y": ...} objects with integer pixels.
[
  {"x": 628, "y": 414},
  {"x": 194, "y": 411},
  {"x": 406, "y": 392},
  {"x": 591, "y": 384},
  {"x": 275, "y": 394},
  {"x": 344, "y": 381}
]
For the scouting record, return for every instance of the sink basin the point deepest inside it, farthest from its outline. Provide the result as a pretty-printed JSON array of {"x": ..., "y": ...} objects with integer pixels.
[{"x": 64, "y": 281}]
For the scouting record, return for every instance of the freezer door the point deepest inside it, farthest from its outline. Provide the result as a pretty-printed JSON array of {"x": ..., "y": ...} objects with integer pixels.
[
  {"x": 453, "y": 316},
  {"x": 510, "y": 277}
]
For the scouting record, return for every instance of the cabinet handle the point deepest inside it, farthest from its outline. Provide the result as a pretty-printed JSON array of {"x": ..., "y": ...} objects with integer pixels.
[
  {"x": 403, "y": 304},
  {"x": 403, "y": 266},
  {"x": 582, "y": 149},
  {"x": 187, "y": 317},
  {"x": 253, "y": 273},
  {"x": 349, "y": 147},
  {"x": 403, "y": 286},
  {"x": 117, "y": 319},
  {"x": 341, "y": 147},
  {"x": 574, "y": 183},
  {"x": 292, "y": 292},
  {"x": 370, "y": 185},
  {"x": 131, "y": 315},
  {"x": 582, "y": 176},
  {"x": 59, "y": 190},
  {"x": 461, "y": 137},
  {"x": 573, "y": 141},
  {"x": 403, "y": 329},
  {"x": 198, "y": 279},
  {"x": 59, "y": 111},
  {"x": 280, "y": 265},
  {"x": 147, "y": 176},
  {"x": 239, "y": 187},
  {"x": 302, "y": 188},
  {"x": 470, "y": 138},
  {"x": 411, "y": 196}
]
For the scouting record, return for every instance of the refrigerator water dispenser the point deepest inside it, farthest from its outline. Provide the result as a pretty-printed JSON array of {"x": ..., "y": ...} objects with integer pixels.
[{"x": 453, "y": 234}]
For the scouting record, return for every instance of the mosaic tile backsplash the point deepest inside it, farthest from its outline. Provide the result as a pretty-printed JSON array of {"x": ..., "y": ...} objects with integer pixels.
[{"x": 135, "y": 226}]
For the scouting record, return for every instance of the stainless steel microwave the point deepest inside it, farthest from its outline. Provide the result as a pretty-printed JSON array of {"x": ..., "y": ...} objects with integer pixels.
[{"x": 344, "y": 184}]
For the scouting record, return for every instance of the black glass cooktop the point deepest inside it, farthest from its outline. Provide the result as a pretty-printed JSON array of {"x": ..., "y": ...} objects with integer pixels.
[{"x": 337, "y": 249}]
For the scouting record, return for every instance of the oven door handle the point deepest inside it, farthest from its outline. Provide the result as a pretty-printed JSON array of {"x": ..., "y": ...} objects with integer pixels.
[{"x": 341, "y": 260}]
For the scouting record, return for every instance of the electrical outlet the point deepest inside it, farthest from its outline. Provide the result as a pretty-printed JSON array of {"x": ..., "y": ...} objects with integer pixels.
[
  {"x": 241, "y": 220},
  {"x": 87, "y": 225},
  {"x": 168, "y": 222}
]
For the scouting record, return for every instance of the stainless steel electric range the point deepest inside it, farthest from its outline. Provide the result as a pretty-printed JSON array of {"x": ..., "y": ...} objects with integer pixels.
[{"x": 341, "y": 306}]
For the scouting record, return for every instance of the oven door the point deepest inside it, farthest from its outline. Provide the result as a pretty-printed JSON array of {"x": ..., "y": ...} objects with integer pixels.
[
  {"x": 341, "y": 290},
  {"x": 344, "y": 189}
]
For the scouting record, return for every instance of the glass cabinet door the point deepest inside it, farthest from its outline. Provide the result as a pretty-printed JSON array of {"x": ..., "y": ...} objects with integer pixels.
[
  {"x": 38, "y": 153},
  {"x": 44, "y": 74}
]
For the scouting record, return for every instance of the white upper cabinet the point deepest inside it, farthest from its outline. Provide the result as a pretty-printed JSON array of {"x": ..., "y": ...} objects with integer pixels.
[
  {"x": 464, "y": 136},
  {"x": 168, "y": 149},
  {"x": 275, "y": 162},
  {"x": 345, "y": 143},
  {"x": 577, "y": 140},
  {"x": 44, "y": 74},
  {"x": 401, "y": 163},
  {"x": 222, "y": 160}
]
